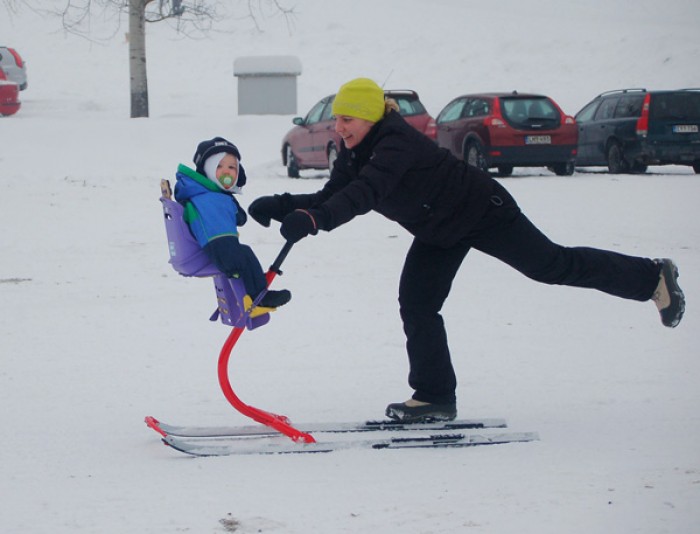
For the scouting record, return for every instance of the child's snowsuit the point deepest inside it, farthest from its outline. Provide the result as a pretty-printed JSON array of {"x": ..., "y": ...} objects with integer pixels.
[{"x": 213, "y": 217}]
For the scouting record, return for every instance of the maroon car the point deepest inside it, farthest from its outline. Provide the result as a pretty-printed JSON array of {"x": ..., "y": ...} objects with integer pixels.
[
  {"x": 506, "y": 130},
  {"x": 313, "y": 143},
  {"x": 9, "y": 96}
]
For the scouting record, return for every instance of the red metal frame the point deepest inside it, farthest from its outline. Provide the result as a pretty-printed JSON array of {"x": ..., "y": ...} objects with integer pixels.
[{"x": 279, "y": 422}]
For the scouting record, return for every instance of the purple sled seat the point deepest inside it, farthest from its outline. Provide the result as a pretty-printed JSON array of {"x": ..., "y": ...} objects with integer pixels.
[{"x": 188, "y": 259}]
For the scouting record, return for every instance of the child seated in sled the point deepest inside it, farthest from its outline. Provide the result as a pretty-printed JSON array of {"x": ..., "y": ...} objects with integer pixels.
[{"x": 214, "y": 215}]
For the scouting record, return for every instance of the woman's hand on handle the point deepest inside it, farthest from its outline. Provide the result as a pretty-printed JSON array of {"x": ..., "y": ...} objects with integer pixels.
[{"x": 297, "y": 225}]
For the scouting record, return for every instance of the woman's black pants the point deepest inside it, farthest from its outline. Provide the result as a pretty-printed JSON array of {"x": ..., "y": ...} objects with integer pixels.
[{"x": 504, "y": 233}]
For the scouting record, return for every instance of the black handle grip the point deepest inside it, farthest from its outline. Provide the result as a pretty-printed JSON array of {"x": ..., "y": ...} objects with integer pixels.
[{"x": 275, "y": 267}]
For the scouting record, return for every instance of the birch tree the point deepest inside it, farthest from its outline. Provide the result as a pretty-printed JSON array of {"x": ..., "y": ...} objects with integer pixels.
[{"x": 194, "y": 16}]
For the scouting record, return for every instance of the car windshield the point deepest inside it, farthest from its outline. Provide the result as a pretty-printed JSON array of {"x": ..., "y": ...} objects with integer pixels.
[
  {"x": 452, "y": 112},
  {"x": 530, "y": 112},
  {"x": 679, "y": 105},
  {"x": 408, "y": 105},
  {"x": 315, "y": 114}
]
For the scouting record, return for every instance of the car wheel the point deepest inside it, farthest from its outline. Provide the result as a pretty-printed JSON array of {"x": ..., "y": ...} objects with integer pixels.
[
  {"x": 292, "y": 165},
  {"x": 332, "y": 156},
  {"x": 563, "y": 169},
  {"x": 474, "y": 156},
  {"x": 504, "y": 170},
  {"x": 616, "y": 161},
  {"x": 638, "y": 167}
]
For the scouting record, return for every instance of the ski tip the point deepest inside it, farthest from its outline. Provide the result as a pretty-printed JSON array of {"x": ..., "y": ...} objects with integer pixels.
[
  {"x": 167, "y": 441},
  {"x": 152, "y": 422}
]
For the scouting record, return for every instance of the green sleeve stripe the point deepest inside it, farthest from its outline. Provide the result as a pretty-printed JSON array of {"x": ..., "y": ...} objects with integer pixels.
[
  {"x": 190, "y": 213},
  {"x": 202, "y": 180}
]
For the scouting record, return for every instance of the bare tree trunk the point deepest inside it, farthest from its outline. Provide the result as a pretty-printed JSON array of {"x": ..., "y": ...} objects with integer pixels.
[
  {"x": 137, "y": 58},
  {"x": 198, "y": 13}
]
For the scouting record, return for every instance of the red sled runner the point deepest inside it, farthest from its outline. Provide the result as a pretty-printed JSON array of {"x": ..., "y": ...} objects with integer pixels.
[{"x": 234, "y": 308}]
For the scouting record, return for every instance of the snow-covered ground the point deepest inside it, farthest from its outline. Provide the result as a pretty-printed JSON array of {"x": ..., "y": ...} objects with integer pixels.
[{"x": 97, "y": 331}]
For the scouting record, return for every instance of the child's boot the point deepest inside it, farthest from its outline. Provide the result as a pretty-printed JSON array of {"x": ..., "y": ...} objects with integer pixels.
[{"x": 275, "y": 299}]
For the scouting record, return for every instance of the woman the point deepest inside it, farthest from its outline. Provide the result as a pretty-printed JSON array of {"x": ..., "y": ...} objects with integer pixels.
[{"x": 449, "y": 207}]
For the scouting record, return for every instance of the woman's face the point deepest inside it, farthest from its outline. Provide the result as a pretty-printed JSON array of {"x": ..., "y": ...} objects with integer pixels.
[{"x": 352, "y": 129}]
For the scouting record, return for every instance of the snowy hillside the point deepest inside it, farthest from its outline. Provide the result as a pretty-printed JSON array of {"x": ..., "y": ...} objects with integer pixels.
[{"x": 97, "y": 331}]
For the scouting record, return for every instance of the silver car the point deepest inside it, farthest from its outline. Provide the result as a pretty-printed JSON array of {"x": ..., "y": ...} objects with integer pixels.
[{"x": 14, "y": 66}]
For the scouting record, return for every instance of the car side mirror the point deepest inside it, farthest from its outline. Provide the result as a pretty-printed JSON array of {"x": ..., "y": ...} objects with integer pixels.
[{"x": 299, "y": 121}]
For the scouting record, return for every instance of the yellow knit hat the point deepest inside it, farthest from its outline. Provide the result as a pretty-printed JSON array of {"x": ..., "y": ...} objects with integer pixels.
[{"x": 361, "y": 98}]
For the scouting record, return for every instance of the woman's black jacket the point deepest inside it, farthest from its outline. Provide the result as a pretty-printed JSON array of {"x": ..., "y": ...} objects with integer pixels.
[{"x": 402, "y": 174}]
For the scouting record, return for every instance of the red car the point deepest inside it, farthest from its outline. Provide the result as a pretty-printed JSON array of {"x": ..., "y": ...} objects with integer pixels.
[
  {"x": 14, "y": 66},
  {"x": 313, "y": 143},
  {"x": 506, "y": 130},
  {"x": 9, "y": 96}
]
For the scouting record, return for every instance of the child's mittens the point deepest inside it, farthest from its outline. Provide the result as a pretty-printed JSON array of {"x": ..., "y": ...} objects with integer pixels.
[{"x": 241, "y": 216}]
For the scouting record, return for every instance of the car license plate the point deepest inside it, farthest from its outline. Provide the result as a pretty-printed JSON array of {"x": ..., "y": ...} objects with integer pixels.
[
  {"x": 538, "y": 140},
  {"x": 685, "y": 128}
]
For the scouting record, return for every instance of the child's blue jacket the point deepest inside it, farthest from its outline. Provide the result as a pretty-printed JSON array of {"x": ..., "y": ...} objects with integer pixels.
[{"x": 209, "y": 212}]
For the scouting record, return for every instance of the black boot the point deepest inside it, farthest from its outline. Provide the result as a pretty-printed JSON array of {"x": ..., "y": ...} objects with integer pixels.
[
  {"x": 668, "y": 297},
  {"x": 414, "y": 411},
  {"x": 275, "y": 299}
]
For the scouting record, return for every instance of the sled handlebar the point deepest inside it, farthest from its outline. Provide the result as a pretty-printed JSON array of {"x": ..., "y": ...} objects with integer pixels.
[{"x": 275, "y": 267}]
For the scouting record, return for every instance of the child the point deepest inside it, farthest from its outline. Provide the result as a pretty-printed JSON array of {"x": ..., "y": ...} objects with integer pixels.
[{"x": 213, "y": 215}]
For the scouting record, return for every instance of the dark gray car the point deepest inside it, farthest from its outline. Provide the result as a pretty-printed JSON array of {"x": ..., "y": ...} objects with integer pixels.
[{"x": 627, "y": 130}]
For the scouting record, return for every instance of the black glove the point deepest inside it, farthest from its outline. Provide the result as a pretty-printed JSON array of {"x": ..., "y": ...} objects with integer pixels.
[
  {"x": 297, "y": 225},
  {"x": 271, "y": 207},
  {"x": 241, "y": 217}
]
